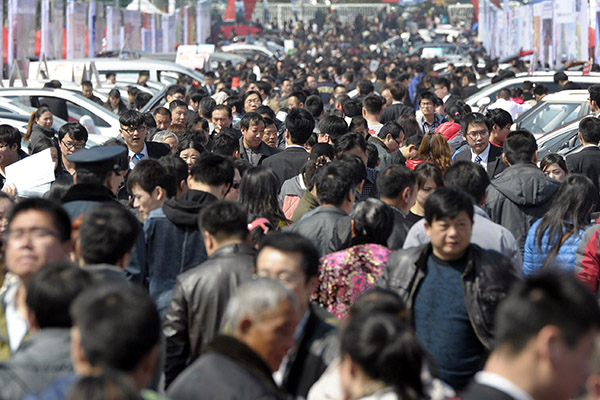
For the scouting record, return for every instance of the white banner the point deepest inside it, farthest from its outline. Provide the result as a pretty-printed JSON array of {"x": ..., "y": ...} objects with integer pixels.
[
  {"x": 203, "y": 21},
  {"x": 113, "y": 28},
  {"x": 132, "y": 28},
  {"x": 21, "y": 38},
  {"x": 168, "y": 23},
  {"x": 95, "y": 28},
  {"x": 75, "y": 30}
]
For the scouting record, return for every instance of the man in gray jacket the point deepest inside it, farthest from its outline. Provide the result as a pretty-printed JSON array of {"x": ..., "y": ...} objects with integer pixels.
[
  {"x": 522, "y": 194},
  {"x": 45, "y": 356},
  {"x": 472, "y": 179}
]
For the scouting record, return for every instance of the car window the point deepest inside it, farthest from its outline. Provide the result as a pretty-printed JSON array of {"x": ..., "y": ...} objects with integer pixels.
[
  {"x": 556, "y": 143},
  {"x": 551, "y": 116},
  {"x": 21, "y": 100},
  {"x": 76, "y": 112}
]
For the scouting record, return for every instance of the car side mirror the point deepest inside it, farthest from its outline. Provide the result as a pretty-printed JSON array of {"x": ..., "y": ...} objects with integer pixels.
[{"x": 484, "y": 101}]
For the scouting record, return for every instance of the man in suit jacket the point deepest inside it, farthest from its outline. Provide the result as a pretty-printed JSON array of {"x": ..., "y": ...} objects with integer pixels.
[
  {"x": 252, "y": 148},
  {"x": 133, "y": 131},
  {"x": 476, "y": 131},
  {"x": 397, "y": 108},
  {"x": 587, "y": 161},
  {"x": 545, "y": 331},
  {"x": 299, "y": 125}
]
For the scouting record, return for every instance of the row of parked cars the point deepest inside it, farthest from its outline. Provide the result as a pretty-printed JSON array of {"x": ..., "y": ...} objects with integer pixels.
[{"x": 554, "y": 120}]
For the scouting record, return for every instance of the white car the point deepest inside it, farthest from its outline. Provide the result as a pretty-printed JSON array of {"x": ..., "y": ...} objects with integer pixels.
[
  {"x": 106, "y": 123},
  {"x": 487, "y": 94},
  {"x": 554, "y": 111}
]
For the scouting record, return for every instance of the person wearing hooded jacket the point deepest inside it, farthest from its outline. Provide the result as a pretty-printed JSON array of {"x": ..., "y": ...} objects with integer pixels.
[
  {"x": 522, "y": 194},
  {"x": 173, "y": 240}
]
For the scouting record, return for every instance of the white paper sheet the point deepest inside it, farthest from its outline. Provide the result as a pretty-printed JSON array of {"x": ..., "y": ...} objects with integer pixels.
[{"x": 31, "y": 171}]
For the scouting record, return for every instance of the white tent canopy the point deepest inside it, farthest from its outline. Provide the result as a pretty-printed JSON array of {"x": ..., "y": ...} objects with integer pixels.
[{"x": 144, "y": 6}]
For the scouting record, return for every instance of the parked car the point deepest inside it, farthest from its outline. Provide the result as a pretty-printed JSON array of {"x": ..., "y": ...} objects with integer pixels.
[
  {"x": 488, "y": 94},
  {"x": 560, "y": 141},
  {"x": 554, "y": 111},
  {"x": 106, "y": 123},
  {"x": 127, "y": 70}
]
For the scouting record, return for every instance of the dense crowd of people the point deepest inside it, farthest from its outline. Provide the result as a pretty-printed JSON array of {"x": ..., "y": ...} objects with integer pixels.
[{"x": 307, "y": 228}]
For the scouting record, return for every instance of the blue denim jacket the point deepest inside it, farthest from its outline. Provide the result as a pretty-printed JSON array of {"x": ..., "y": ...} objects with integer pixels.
[{"x": 173, "y": 247}]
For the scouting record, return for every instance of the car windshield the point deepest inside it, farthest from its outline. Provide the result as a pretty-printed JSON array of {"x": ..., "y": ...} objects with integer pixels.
[
  {"x": 551, "y": 116},
  {"x": 557, "y": 143}
]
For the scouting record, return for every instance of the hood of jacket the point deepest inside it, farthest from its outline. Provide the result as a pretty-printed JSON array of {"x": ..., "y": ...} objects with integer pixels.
[
  {"x": 525, "y": 185},
  {"x": 184, "y": 211}
]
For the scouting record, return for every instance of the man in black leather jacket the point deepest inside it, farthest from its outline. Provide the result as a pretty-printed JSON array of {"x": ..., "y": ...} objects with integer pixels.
[
  {"x": 201, "y": 293},
  {"x": 451, "y": 287}
]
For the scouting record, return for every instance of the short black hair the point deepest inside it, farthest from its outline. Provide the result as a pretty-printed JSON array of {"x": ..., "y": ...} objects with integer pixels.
[
  {"x": 520, "y": 147},
  {"x": 351, "y": 108},
  {"x": 392, "y": 128},
  {"x": 474, "y": 118},
  {"x": 349, "y": 141},
  {"x": 206, "y": 106},
  {"x": 589, "y": 128},
  {"x": 500, "y": 117},
  {"x": 141, "y": 98},
  {"x": 447, "y": 202},
  {"x": 10, "y": 136},
  {"x": 393, "y": 180},
  {"x": 213, "y": 169},
  {"x": 373, "y": 103},
  {"x": 295, "y": 243},
  {"x": 594, "y": 92},
  {"x": 266, "y": 110},
  {"x": 373, "y": 220},
  {"x": 550, "y": 297},
  {"x": 162, "y": 111},
  {"x": 333, "y": 126},
  {"x": 60, "y": 218},
  {"x": 299, "y": 95},
  {"x": 540, "y": 89},
  {"x": 469, "y": 177},
  {"x": 52, "y": 289},
  {"x": 86, "y": 84},
  {"x": 365, "y": 87},
  {"x": 119, "y": 325},
  {"x": 132, "y": 118},
  {"x": 224, "y": 220},
  {"x": 314, "y": 104},
  {"x": 177, "y": 103},
  {"x": 225, "y": 143},
  {"x": 372, "y": 155},
  {"x": 107, "y": 233},
  {"x": 223, "y": 107},
  {"x": 427, "y": 96},
  {"x": 560, "y": 77},
  {"x": 251, "y": 118},
  {"x": 444, "y": 82},
  {"x": 300, "y": 123},
  {"x": 75, "y": 130},
  {"x": 171, "y": 90},
  {"x": 333, "y": 182},
  {"x": 175, "y": 166},
  {"x": 149, "y": 174}
]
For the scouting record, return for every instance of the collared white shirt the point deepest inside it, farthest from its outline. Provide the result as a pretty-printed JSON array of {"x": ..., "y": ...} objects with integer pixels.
[
  {"x": 504, "y": 385},
  {"x": 446, "y": 97},
  {"x": 133, "y": 160},
  {"x": 16, "y": 326},
  {"x": 484, "y": 157}
]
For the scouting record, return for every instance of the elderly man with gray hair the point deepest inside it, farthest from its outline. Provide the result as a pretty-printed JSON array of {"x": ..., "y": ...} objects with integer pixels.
[
  {"x": 167, "y": 137},
  {"x": 257, "y": 332}
]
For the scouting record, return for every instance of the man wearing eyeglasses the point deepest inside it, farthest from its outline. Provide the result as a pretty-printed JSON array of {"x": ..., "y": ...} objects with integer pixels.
[
  {"x": 72, "y": 137},
  {"x": 133, "y": 131},
  {"x": 39, "y": 231},
  {"x": 476, "y": 131}
]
